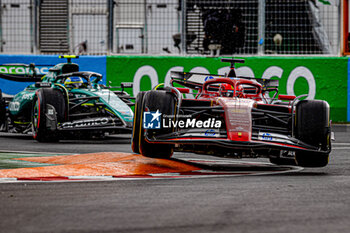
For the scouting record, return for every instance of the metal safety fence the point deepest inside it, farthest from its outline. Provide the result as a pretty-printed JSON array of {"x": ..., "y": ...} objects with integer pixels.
[{"x": 198, "y": 27}]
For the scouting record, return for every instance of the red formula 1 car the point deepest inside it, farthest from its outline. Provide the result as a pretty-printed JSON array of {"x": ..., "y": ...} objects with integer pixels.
[{"x": 231, "y": 116}]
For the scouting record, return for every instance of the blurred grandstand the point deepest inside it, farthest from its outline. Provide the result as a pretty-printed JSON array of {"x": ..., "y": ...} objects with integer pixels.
[{"x": 197, "y": 27}]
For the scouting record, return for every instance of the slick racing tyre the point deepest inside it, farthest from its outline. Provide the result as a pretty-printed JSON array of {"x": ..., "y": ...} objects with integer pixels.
[
  {"x": 165, "y": 103},
  {"x": 48, "y": 109},
  {"x": 136, "y": 130},
  {"x": 312, "y": 126}
]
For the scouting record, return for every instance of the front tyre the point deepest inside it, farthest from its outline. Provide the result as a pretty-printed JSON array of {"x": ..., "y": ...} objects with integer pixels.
[
  {"x": 48, "y": 110},
  {"x": 136, "y": 130},
  {"x": 165, "y": 103},
  {"x": 312, "y": 126}
]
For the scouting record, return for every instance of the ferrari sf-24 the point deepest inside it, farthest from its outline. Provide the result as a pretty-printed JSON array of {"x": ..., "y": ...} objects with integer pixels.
[{"x": 231, "y": 116}]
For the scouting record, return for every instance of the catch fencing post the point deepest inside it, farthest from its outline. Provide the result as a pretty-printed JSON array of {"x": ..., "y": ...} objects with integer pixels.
[
  {"x": 183, "y": 30},
  {"x": 110, "y": 6},
  {"x": 261, "y": 27}
]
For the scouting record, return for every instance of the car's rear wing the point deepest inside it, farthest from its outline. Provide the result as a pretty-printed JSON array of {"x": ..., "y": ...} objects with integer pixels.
[
  {"x": 192, "y": 80},
  {"x": 196, "y": 80},
  {"x": 20, "y": 73}
]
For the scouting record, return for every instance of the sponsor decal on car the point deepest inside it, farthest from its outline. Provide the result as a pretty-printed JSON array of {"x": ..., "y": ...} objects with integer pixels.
[
  {"x": 20, "y": 69},
  {"x": 274, "y": 137},
  {"x": 87, "y": 123},
  {"x": 27, "y": 96},
  {"x": 210, "y": 132},
  {"x": 267, "y": 137},
  {"x": 155, "y": 120}
]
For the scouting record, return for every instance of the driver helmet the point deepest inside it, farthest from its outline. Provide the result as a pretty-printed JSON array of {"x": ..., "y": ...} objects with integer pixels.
[
  {"x": 226, "y": 90},
  {"x": 239, "y": 91},
  {"x": 73, "y": 82}
]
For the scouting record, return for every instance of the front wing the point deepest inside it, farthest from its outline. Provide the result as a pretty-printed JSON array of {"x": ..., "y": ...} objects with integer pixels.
[{"x": 237, "y": 145}]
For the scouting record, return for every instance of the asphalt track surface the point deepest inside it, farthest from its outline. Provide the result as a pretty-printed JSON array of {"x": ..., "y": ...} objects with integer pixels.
[{"x": 310, "y": 200}]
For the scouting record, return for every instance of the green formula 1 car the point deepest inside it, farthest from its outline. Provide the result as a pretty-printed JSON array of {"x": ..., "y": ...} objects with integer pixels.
[{"x": 65, "y": 102}]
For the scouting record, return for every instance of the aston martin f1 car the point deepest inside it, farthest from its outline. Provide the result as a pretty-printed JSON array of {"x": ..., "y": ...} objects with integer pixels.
[
  {"x": 231, "y": 116},
  {"x": 65, "y": 102}
]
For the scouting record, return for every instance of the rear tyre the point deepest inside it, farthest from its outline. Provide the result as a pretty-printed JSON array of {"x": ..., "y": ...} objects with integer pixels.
[
  {"x": 312, "y": 127},
  {"x": 165, "y": 103},
  {"x": 136, "y": 130},
  {"x": 48, "y": 110}
]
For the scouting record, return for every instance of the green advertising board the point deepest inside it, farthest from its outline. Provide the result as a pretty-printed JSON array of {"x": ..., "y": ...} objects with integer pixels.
[{"x": 320, "y": 77}]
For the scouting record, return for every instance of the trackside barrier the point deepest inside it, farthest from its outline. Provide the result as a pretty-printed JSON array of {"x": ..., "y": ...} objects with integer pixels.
[
  {"x": 320, "y": 77},
  {"x": 326, "y": 78}
]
